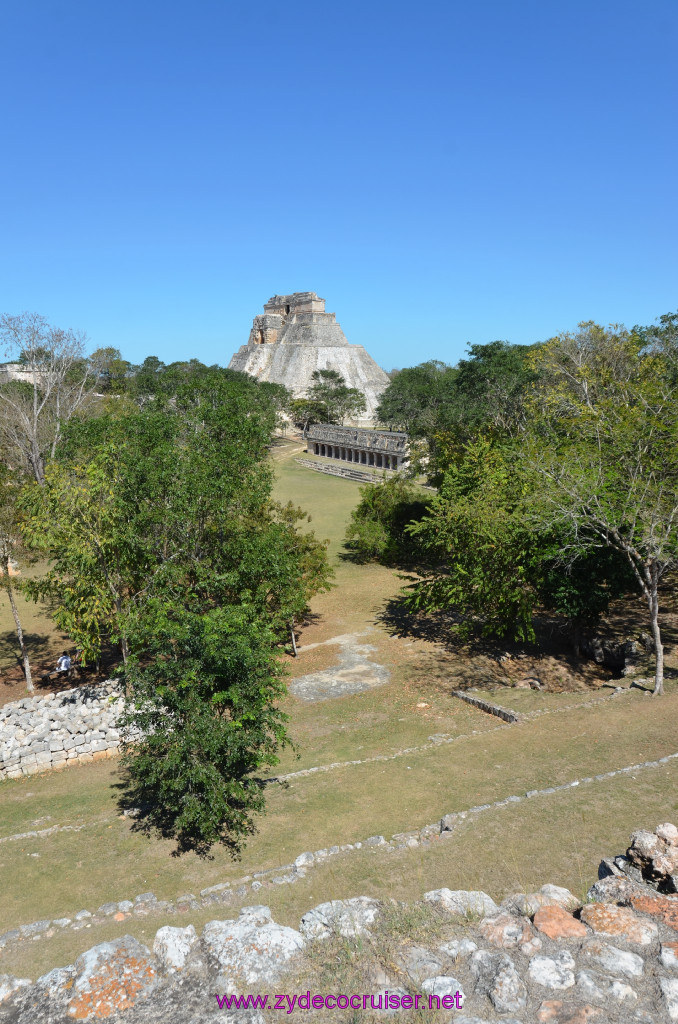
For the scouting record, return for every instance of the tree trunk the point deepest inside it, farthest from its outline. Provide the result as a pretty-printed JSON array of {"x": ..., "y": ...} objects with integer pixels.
[
  {"x": 19, "y": 632},
  {"x": 653, "y": 601},
  {"x": 576, "y": 639},
  {"x": 294, "y": 642}
]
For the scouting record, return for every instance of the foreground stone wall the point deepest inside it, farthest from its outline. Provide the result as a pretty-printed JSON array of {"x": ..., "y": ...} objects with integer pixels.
[{"x": 78, "y": 725}]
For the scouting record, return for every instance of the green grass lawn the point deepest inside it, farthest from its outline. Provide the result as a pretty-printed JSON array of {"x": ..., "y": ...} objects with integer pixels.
[{"x": 558, "y": 839}]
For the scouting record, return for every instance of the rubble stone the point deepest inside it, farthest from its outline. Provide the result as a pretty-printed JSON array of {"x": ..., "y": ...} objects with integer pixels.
[
  {"x": 557, "y": 923},
  {"x": 619, "y": 922}
]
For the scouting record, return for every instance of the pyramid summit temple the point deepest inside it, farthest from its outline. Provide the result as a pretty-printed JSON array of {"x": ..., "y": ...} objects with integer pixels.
[{"x": 294, "y": 337}]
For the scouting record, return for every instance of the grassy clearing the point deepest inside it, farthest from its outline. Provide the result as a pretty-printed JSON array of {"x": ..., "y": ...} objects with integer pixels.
[
  {"x": 379, "y": 721},
  {"x": 527, "y": 701},
  {"x": 557, "y": 840},
  {"x": 109, "y": 861}
]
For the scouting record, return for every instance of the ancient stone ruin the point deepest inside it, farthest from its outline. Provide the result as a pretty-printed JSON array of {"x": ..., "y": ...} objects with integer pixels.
[
  {"x": 294, "y": 337},
  {"x": 381, "y": 449}
]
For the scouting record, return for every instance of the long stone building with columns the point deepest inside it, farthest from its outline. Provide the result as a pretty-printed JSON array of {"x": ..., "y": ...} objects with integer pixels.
[{"x": 383, "y": 449}]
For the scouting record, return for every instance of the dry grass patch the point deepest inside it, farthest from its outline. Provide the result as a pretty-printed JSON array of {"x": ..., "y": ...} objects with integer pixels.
[
  {"x": 558, "y": 839},
  {"x": 109, "y": 861}
]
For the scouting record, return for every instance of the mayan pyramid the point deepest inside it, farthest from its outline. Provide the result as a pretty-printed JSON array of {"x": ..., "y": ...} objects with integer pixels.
[{"x": 294, "y": 337}]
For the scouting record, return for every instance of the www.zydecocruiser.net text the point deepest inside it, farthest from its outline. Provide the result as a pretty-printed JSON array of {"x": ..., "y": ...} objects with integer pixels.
[{"x": 306, "y": 1001}]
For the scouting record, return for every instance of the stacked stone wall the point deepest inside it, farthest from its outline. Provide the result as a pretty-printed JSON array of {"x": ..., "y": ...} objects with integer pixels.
[
  {"x": 50, "y": 731},
  {"x": 347, "y": 474}
]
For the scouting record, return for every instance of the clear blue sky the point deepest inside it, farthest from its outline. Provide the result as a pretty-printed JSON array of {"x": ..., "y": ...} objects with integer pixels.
[{"x": 440, "y": 172}]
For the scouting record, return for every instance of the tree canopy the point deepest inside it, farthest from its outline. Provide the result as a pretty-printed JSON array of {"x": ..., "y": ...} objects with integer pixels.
[
  {"x": 331, "y": 399},
  {"x": 163, "y": 538},
  {"x": 557, "y": 468}
]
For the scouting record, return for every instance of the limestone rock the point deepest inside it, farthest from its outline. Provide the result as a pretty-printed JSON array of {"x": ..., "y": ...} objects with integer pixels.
[
  {"x": 608, "y": 919},
  {"x": 462, "y": 902},
  {"x": 508, "y": 931},
  {"x": 665, "y": 908},
  {"x": 656, "y": 855},
  {"x": 456, "y": 948},
  {"x": 173, "y": 946},
  {"x": 508, "y": 992},
  {"x": 556, "y": 895},
  {"x": 669, "y": 955},
  {"x": 614, "y": 960},
  {"x": 345, "y": 917},
  {"x": 443, "y": 985},
  {"x": 382, "y": 1000},
  {"x": 552, "y": 972},
  {"x": 496, "y": 977},
  {"x": 421, "y": 963},
  {"x": 612, "y": 889},
  {"x": 110, "y": 978},
  {"x": 252, "y": 947},
  {"x": 669, "y": 987},
  {"x": 522, "y": 904},
  {"x": 10, "y": 984},
  {"x": 553, "y": 1011},
  {"x": 667, "y": 832},
  {"x": 557, "y": 923},
  {"x": 597, "y": 987},
  {"x": 294, "y": 337}
]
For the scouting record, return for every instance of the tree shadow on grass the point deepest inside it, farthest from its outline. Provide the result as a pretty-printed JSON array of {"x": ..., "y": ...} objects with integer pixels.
[
  {"x": 478, "y": 661},
  {"x": 38, "y": 646},
  {"x": 41, "y": 655},
  {"x": 438, "y": 628},
  {"x": 151, "y": 820}
]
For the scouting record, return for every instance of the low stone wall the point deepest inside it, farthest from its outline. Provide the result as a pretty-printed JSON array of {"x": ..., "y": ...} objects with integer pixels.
[
  {"x": 78, "y": 725},
  {"x": 490, "y": 709},
  {"x": 343, "y": 471}
]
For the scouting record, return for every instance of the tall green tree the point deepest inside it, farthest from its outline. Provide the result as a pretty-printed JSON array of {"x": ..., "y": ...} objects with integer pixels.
[
  {"x": 414, "y": 399},
  {"x": 330, "y": 394},
  {"x": 111, "y": 371},
  {"x": 495, "y": 557},
  {"x": 604, "y": 441},
  {"x": 377, "y": 528},
  {"x": 163, "y": 536},
  {"x": 99, "y": 560}
]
